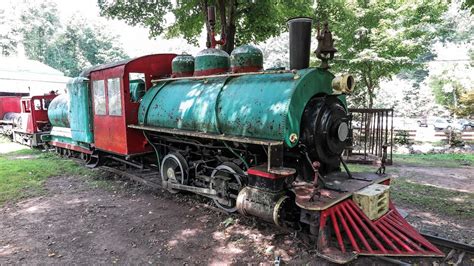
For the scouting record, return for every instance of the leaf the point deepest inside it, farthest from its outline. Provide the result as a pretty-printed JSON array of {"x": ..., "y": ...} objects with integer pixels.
[{"x": 228, "y": 222}]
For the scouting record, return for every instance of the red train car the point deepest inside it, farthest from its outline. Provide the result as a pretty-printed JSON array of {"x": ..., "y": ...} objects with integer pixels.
[
  {"x": 25, "y": 119},
  {"x": 114, "y": 108}
]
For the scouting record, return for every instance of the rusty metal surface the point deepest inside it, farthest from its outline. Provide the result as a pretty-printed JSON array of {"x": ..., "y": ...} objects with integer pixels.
[
  {"x": 80, "y": 110},
  {"x": 338, "y": 187},
  {"x": 221, "y": 75},
  {"x": 267, "y": 106},
  {"x": 206, "y": 135},
  {"x": 259, "y": 203},
  {"x": 183, "y": 65},
  {"x": 211, "y": 61},
  {"x": 58, "y": 111},
  {"x": 345, "y": 229},
  {"x": 245, "y": 58}
]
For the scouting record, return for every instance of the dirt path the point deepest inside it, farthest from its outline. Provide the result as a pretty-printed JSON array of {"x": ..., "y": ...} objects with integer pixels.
[
  {"x": 10, "y": 147},
  {"x": 75, "y": 223},
  {"x": 459, "y": 179}
]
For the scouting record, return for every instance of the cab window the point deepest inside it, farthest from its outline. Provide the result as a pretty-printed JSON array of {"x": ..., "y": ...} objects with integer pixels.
[
  {"x": 46, "y": 103},
  {"x": 99, "y": 97},
  {"x": 114, "y": 97},
  {"x": 37, "y": 104}
]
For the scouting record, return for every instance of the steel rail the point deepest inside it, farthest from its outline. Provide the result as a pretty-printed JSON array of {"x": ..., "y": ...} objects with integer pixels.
[{"x": 441, "y": 241}]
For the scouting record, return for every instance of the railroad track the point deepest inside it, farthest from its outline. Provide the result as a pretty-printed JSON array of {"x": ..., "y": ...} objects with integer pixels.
[
  {"x": 447, "y": 243},
  {"x": 454, "y": 246}
]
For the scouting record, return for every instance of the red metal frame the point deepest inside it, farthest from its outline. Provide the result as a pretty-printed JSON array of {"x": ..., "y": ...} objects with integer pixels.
[
  {"x": 35, "y": 118},
  {"x": 355, "y": 233},
  {"x": 111, "y": 133},
  {"x": 258, "y": 171},
  {"x": 9, "y": 104},
  {"x": 71, "y": 147}
]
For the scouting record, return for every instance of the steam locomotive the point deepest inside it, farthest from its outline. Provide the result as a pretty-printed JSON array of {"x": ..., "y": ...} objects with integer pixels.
[{"x": 265, "y": 143}]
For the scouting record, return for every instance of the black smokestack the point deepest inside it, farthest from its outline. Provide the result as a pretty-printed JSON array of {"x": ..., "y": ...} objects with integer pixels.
[{"x": 300, "y": 42}]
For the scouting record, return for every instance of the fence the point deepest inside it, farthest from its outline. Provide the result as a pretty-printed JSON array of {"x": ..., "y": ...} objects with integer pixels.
[
  {"x": 370, "y": 130},
  {"x": 434, "y": 136}
]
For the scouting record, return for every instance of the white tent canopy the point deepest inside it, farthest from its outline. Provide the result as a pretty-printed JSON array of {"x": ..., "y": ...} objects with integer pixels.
[{"x": 21, "y": 75}]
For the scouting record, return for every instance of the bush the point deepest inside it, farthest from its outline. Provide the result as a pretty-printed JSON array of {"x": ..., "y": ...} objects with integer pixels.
[
  {"x": 454, "y": 138},
  {"x": 402, "y": 137}
]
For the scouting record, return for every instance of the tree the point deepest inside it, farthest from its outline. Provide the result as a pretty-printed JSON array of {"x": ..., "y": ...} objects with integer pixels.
[
  {"x": 453, "y": 88},
  {"x": 466, "y": 104},
  {"x": 241, "y": 21},
  {"x": 9, "y": 35},
  {"x": 38, "y": 26},
  {"x": 69, "y": 48},
  {"x": 81, "y": 45},
  {"x": 378, "y": 39}
]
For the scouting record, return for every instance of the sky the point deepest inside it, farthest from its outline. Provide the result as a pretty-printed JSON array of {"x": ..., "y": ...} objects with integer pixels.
[{"x": 135, "y": 39}]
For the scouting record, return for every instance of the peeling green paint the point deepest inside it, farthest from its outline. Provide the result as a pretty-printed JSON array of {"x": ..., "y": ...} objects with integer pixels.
[{"x": 265, "y": 106}]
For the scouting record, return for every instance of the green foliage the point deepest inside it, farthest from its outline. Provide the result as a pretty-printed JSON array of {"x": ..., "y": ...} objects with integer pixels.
[
  {"x": 228, "y": 222},
  {"x": 149, "y": 14},
  {"x": 454, "y": 138},
  {"x": 245, "y": 21},
  {"x": 9, "y": 35},
  {"x": 378, "y": 39},
  {"x": 457, "y": 25},
  {"x": 23, "y": 172},
  {"x": 359, "y": 168},
  {"x": 402, "y": 137},
  {"x": 466, "y": 104},
  {"x": 38, "y": 26},
  {"x": 451, "y": 93},
  {"x": 81, "y": 45},
  {"x": 69, "y": 48}
]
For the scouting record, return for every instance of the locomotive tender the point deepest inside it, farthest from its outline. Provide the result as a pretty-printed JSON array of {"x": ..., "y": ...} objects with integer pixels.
[{"x": 266, "y": 143}]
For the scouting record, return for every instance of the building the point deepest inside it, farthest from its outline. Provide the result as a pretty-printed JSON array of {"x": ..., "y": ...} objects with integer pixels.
[{"x": 21, "y": 76}]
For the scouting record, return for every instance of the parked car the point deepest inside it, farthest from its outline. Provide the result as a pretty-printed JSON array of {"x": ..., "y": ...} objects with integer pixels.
[
  {"x": 463, "y": 124},
  {"x": 422, "y": 122},
  {"x": 442, "y": 123}
]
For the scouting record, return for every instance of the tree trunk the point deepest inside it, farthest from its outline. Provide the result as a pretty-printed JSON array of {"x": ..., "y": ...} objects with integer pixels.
[
  {"x": 371, "y": 95},
  {"x": 369, "y": 83},
  {"x": 227, "y": 11},
  {"x": 204, "y": 6},
  {"x": 230, "y": 41}
]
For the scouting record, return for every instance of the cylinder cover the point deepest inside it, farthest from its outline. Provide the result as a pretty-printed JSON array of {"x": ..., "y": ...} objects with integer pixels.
[{"x": 263, "y": 204}]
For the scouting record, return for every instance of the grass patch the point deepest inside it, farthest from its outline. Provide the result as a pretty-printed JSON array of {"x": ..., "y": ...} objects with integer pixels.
[
  {"x": 438, "y": 160},
  {"x": 357, "y": 168},
  {"x": 23, "y": 172},
  {"x": 438, "y": 200}
]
